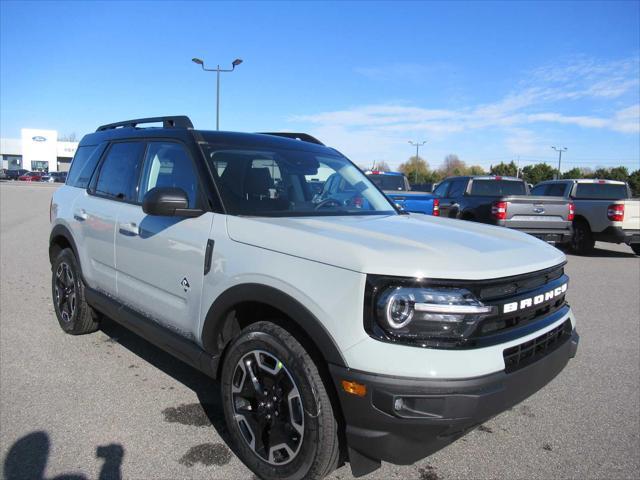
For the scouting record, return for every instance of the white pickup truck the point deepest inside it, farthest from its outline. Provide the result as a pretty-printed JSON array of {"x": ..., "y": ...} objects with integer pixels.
[{"x": 604, "y": 211}]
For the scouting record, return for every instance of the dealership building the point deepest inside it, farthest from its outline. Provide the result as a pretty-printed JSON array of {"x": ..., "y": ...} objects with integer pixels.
[{"x": 37, "y": 150}]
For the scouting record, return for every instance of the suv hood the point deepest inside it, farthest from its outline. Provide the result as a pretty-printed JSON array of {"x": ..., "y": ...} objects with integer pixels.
[{"x": 400, "y": 245}]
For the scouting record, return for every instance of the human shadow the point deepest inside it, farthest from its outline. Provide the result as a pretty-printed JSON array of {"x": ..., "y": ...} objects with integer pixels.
[
  {"x": 27, "y": 460},
  {"x": 206, "y": 389}
]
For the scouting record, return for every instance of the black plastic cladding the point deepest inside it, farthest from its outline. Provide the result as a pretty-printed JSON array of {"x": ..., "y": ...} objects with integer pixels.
[{"x": 490, "y": 331}]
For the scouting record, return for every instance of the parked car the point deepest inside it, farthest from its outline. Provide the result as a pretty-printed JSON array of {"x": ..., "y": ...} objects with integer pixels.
[
  {"x": 3, "y": 173},
  {"x": 31, "y": 177},
  {"x": 505, "y": 201},
  {"x": 604, "y": 211},
  {"x": 396, "y": 186},
  {"x": 57, "y": 177},
  {"x": 338, "y": 332},
  {"x": 15, "y": 174}
]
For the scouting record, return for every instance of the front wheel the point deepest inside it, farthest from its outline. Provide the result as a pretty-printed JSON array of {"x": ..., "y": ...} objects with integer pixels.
[
  {"x": 277, "y": 407},
  {"x": 74, "y": 315},
  {"x": 636, "y": 248}
]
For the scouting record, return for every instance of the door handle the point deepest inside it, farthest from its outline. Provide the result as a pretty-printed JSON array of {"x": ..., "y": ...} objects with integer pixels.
[
  {"x": 128, "y": 229},
  {"x": 80, "y": 215}
]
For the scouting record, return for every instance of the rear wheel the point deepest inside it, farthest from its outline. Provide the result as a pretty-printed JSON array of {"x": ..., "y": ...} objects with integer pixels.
[
  {"x": 277, "y": 407},
  {"x": 636, "y": 248},
  {"x": 74, "y": 315},
  {"x": 582, "y": 241}
]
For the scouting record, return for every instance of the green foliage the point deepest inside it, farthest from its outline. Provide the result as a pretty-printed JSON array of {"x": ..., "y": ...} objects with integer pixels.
[
  {"x": 416, "y": 169},
  {"x": 573, "y": 173},
  {"x": 618, "y": 173},
  {"x": 476, "y": 170},
  {"x": 634, "y": 183},
  {"x": 505, "y": 169},
  {"x": 538, "y": 173}
]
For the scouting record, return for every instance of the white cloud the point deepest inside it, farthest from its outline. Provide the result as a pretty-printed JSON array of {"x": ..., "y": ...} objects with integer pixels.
[
  {"x": 373, "y": 131},
  {"x": 627, "y": 120}
]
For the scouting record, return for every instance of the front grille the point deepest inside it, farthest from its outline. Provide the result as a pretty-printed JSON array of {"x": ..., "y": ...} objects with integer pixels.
[
  {"x": 526, "y": 353},
  {"x": 515, "y": 289}
]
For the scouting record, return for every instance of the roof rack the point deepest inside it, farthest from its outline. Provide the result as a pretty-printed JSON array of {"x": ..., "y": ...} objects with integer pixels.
[
  {"x": 304, "y": 137},
  {"x": 176, "y": 121}
]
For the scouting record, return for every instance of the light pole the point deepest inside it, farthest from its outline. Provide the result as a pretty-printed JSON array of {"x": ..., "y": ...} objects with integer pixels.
[
  {"x": 234, "y": 64},
  {"x": 559, "y": 150},
  {"x": 415, "y": 171}
]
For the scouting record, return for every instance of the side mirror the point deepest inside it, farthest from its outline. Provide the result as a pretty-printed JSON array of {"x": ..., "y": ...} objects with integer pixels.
[{"x": 168, "y": 202}]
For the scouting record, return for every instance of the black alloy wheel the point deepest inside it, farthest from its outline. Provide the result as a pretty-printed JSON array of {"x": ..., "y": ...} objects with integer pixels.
[{"x": 267, "y": 407}]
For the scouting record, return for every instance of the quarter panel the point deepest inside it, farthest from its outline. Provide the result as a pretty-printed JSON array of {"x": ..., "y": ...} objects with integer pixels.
[{"x": 333, "y": 295}]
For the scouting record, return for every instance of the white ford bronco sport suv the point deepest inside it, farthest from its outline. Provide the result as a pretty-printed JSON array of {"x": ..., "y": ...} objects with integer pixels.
[{"x": 340, "y": 330}]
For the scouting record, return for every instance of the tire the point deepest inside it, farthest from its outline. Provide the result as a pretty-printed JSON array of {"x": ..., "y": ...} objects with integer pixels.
[
  {"x": 74, "y": 315},
  {"x": 582, "y": 241},
  {"x": 301, "y": 413},
  {"x": 636, "y": 248}
]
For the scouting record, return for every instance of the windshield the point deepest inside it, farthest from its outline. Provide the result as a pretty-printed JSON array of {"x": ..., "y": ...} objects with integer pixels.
[
  {"x": 604, "y": 191},
  {"x": 388, "y": 182},
  {"x": 282, "y": 182},
  {"x": 497, "y": 188}
]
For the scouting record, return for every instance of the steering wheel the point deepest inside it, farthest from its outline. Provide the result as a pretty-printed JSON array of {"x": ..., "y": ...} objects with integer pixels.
[{"x": 328, "y": 202}]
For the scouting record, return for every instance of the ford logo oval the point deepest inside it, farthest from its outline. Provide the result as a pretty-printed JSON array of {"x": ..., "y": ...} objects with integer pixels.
[
  {"x": 538, "y": 210},
  {"x": 39, "y": 138}
]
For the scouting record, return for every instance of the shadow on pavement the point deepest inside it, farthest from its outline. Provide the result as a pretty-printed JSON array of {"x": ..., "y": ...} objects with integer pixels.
[
  {"x": 206, "y": 388},
  {"x": 27, "y": 460},
  {"x": 601, "y": 253}
]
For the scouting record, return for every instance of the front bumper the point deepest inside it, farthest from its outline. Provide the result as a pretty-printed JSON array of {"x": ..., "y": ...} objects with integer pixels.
[{"x": 403, "y": 420}]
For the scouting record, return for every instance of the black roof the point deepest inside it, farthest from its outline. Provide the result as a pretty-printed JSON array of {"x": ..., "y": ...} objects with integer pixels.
[{"x": 180, "y": 127}]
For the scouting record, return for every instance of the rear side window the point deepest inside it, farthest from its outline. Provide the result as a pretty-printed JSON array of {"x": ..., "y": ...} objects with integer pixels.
[
  {"x": 83, "y": 165},
  {"x": 441, "y": 189},
  {"x": 539, "y": 190},
  {"x": 550, "y": 189},
  {"x": 556, "y": 190},
  {"x": 457, "y": 188},
  {"x": 497, "y": 188},
  {"x": 167, "y": 164},
  {"x": 118, "y": 175},
  {"x": 388, "y": 182},
  {"x": 604, "y": 191}
]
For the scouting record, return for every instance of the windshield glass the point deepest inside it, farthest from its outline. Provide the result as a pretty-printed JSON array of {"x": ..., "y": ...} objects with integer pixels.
[
  {"x": 604, "y": 191},
  {"x": 388, "y": 182},
  {"x": 497, "y": 188},
  {"x": 282, "y": 182}
]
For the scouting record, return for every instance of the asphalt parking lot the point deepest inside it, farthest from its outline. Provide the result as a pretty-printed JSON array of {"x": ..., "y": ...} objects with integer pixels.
[{"x": 109, "y": 405}]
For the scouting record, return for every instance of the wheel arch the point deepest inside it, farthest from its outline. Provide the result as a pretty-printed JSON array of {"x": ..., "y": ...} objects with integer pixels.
[
  {"x": 581, "y": 218},
  {"x": 244, "y": 304},
  {"x": 59, "y": 239}
]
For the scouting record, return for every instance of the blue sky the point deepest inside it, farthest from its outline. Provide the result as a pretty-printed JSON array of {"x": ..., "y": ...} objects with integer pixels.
[{"x": 488, "y": 81}]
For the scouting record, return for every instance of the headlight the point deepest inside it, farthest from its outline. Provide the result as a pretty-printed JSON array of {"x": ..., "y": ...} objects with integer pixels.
[{"x": 429, "y": 315}]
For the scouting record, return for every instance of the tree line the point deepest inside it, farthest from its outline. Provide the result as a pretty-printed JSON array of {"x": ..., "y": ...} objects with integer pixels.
[{"x": 418, "y": 171}]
